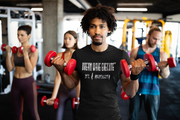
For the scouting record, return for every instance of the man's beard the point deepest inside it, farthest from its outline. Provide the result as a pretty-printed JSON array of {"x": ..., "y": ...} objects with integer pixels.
[
  {"x": 150, "y": 45},
  {"x": 97, "y": 43}
]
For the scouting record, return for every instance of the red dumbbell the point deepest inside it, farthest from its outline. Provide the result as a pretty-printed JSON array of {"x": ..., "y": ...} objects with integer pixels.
[
  {"x": 14, "y": 48},
  {"x": 124, "y": 96},
  {"x": 44, "y": 99},
  {"x": 74, "y": 103},
  {"x": 170, "y": 61},
  {"x": 32, "y": 48},
  {"x": 68, "y": 67},
  {"x": 148, "y": 60}
]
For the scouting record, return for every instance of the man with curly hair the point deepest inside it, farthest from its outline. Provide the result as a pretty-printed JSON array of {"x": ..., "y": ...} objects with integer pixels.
[{"x": 98, "y": 68}]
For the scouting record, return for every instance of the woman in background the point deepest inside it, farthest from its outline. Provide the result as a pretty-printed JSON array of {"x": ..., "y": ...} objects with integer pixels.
[
  {"x": 24, "y": 85},
  {"x": 70, "y": 44}
]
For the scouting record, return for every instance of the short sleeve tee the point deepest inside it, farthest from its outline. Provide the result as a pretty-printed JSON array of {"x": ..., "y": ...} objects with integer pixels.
[{"x": 99, "y": 73}]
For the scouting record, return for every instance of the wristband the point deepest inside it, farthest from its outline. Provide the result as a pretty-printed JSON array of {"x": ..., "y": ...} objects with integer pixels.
[{"x": 135, "y": 77}]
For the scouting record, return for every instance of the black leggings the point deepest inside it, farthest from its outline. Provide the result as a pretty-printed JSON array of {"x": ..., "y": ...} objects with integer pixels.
[
  {"x": 24, "y": 88},
  {"x": 64, "y": 95}
]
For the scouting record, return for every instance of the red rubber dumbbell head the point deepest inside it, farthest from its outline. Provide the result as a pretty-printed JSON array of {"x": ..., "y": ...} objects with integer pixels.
[
  {"x": 56, "y": 103},
  {"x": 47, "y": 60},
  {"x": 14, "y": 49},
  {"x": 124, "y": 96},
  {"x": 171, "y": 62},
  {"x": 125, "y": 68},
  {"x": 70, "y": 67},
  {"x": 151, "y": 66},
  {"x": 2, "y": 47},
  {"x": 73, "y": 103},
  {"x": 21, "y": 49},
  {"x": 42, "y": 100},
  {"x": 33, "y": 48}
]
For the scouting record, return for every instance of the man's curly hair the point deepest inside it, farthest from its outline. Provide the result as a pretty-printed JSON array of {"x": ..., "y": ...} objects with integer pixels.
[{"x": 102, "y": 12}]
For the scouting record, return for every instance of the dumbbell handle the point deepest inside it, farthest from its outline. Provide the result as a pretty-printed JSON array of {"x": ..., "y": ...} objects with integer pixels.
[
  {"x": 46, "y": 101},
  {"x": 4, "y": 47},
  {"x": 158, "y": 69},
  {"x": 146, "y": 62},
  {"x": 166, "y": 64},
  {"x": 170, "y": 61},
  {"x": 65, "y": 64},
  {"x": 22, "y": 48},
  {"x": 32, "y": 48},
  {"x": 76, "y": 103}
]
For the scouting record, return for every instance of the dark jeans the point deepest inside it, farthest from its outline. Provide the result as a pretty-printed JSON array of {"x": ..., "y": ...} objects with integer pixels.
[{"x": 151, "y": 104}]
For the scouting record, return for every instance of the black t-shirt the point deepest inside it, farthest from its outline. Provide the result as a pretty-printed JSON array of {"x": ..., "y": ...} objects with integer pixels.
[{"x": 99, "y": 73}]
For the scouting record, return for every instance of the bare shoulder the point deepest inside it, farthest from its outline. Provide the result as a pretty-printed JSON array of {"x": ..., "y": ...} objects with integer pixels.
[
  {"x": 162, "y": 52},
  {"x": 133, "y": 52},
  {"x": 36, "y": 52}
]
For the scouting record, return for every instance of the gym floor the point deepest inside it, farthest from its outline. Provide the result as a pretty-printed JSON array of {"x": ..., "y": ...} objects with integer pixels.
[{"x": 169, "y": 104}]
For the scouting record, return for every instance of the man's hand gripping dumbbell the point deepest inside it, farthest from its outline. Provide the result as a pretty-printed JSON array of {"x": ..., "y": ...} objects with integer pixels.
[
  {"x": 161, "y": 65},
  {"x": 137, "y": 66}
]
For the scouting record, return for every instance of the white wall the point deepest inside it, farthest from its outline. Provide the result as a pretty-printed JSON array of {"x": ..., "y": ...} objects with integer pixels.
[
  {"x": 175, "y": 17},
  {"x": 175, "y": 33},
  {"x": 132, "y": 16}
]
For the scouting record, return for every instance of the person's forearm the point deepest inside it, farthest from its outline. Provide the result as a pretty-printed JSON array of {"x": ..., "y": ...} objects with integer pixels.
[
  {"x": 132, "y": 88},
  {"x": 78, "y": 90},
  {"x": 69, "y": 81},
  {"x": 165, "y": 72},
  {"x": 9, "y": 62},
  {"x": 28, "y": 66},
  {"x": 57, "y": 83}
]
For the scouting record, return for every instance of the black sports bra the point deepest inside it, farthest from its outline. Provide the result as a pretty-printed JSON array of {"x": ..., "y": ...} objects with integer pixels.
[{"x": 19, "y": 61}]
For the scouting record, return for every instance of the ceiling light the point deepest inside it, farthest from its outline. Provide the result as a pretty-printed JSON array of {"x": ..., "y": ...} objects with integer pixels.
[
  {"x": 85, "y": 4},
  {"x": 76, "y": 3},
  {"x": 37, "y": 9},
  {"x": 131, "y": 9},
  {"x": 135, "y": 4}
]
